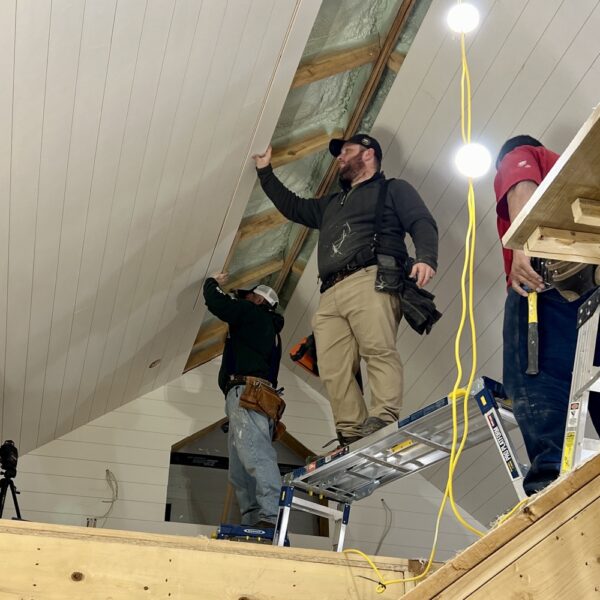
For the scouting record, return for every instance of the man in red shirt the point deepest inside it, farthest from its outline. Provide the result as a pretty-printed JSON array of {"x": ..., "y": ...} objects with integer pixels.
[{"x": 539, "y": 401}]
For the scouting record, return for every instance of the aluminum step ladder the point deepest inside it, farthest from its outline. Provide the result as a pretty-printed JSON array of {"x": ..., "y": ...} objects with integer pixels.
[
  {"x": 576, "y": 447},
  {"x": 400, "y": 449}
]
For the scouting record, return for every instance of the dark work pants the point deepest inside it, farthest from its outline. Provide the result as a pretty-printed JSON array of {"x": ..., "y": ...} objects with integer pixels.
[{"x": 540, "y": 401}]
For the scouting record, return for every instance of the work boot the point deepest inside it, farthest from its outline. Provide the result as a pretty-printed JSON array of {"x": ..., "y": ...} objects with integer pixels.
[
  {"x": 371, "y": 425},
  {"x": 344, "y": 440}
]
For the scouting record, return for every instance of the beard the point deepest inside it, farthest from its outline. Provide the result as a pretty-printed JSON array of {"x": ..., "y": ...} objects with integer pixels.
[{"x": 352, "y": 169}]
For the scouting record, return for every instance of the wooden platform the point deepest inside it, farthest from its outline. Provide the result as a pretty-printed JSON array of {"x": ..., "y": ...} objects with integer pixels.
[
  {"x": 52, "y": 562},
  {"x": 550, "y": 550},
  {"x": 562, "y": 218}
]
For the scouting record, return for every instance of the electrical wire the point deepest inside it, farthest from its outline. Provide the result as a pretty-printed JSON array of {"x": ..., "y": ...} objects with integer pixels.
[
  {"x": 113, "y": 484},
  {"x": 387, "y": 526},
  {"x": 467, "y": 310}
]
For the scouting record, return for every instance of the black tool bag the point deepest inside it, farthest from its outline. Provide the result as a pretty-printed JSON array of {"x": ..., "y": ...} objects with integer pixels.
[{"x": 417, "y": 304}]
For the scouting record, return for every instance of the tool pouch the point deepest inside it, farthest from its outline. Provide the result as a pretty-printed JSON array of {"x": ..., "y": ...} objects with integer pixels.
[
  {"x": 389, "y": 276},
  {"x": 262, "y": 398}
]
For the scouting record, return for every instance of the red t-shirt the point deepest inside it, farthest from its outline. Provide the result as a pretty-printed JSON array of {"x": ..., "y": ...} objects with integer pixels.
[{"x": 525, "y": 163}]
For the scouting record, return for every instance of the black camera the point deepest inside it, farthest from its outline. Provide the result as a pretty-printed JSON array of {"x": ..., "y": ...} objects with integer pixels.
[{"x": 9, "y": 455}]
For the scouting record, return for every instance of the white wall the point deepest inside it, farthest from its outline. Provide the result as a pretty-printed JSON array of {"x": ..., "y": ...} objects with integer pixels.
[{"x": 64, "y": 481}]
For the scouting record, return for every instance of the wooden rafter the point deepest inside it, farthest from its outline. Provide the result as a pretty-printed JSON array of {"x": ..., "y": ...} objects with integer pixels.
[
  {"x": 359, "y": 111},
  {"x": 261, "y": 222},
  {"x": 395, "y": 61},
  {"x": 309, "y": 145},
  {"x": 208, "y": 331},
  {"x": 332, "y": 63},
  {"x": 203, "y": 356}
]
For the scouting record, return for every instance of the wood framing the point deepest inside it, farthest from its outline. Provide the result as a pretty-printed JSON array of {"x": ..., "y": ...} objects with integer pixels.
[
  {"x": 575, "y": 246},
  {"x": 550, "y": 549},
  {"x": 395, "y": 61},
  {"x": 326, "y": 65},
  {"x": 54, "y": 562},
  {"x": 586, "y": 211},
  {"x": 261, "y": 222},
  {"x": 203, "y": 356},
  {"x": 309, "y": 145}
]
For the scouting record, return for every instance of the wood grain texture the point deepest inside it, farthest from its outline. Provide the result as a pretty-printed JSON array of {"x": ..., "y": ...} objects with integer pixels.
[
  {"x": 56, "y": 562},
  {"x": 576, "y": 174},
  {"x": 326, "y": 65},
  {"x": 526, "y": 554}
]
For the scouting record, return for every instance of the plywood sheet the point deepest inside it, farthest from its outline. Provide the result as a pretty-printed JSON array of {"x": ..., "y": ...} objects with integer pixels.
[
  {"x": 57, "y": 562},
  {"x": 575, "y": 175},
  {"x": 547, "y": 550}
]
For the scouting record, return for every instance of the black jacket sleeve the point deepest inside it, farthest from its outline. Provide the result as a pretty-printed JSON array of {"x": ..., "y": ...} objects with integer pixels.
[
  {"x": 221, "y": 304},
  {"x": 306, "y": 211},
  {"x": 417, "y": 221}
]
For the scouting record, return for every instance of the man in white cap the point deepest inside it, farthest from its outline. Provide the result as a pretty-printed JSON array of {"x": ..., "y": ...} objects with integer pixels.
[
  {"x": 252, "y": 350},
  {"x": 354, "y": 319}
]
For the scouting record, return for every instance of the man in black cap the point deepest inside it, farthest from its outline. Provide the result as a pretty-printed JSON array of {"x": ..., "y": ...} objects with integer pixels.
[{"x": 354, "y": 320}]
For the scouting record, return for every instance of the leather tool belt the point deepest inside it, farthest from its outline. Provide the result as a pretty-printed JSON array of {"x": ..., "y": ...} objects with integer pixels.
[
  {"x": 334, "y": 278},
  {"x": 571, "y": 280},
  {"x": 259, "y": 396}
]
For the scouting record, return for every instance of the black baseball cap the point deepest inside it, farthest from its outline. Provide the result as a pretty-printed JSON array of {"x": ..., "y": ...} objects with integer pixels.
[{"x": 362, "y": 139}]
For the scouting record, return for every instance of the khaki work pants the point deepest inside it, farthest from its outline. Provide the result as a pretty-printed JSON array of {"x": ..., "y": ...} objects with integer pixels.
[{"x": 354, "y": 321}]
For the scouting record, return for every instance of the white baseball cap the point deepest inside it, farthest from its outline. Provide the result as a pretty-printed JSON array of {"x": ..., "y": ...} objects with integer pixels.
[{"x": 267, "y": 293}]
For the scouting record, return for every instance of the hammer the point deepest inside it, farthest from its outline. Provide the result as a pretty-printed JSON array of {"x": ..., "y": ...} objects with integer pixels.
[{"x": 532, "y": 334}]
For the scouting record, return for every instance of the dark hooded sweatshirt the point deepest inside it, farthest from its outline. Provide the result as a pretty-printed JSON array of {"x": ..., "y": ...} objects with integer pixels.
[
  {"x": 249, "y": 349},
  {"x": 346, "y": 221}
]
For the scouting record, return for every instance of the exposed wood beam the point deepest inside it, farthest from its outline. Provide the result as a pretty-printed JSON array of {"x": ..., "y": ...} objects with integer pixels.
[
  {"x": 359, "y": 111},
  {"x": 298, "y": 268},
  {"x": 203, "y": 356},
  {"x": 212, "y": 330},
  {"x": 261, "y": 222},
  {"x": 255, "y": 274},
  {"x": 217, "y": 333},
  {"x": 302, "y": 148},
  {"x": 574, "y": 246},
  {"x": 395, "y": 61},
  {"x": 326, "y": 65},
  {"x": 80, "y": 562},
  {"x": 586, "y": 211}
]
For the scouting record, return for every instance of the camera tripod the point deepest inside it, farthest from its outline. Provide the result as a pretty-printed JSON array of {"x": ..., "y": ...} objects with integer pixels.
[{"x": 5, "y": 484}]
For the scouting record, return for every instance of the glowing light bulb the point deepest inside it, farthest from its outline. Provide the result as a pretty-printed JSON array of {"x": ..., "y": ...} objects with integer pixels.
[
  {"x": 463, "y": 17},
  {"x": 473, "y": 160}
]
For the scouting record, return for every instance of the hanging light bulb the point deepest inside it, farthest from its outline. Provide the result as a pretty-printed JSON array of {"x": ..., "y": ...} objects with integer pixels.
[
  {"x": 473, "y": 160},
  {"x": 463, "y": 17}
]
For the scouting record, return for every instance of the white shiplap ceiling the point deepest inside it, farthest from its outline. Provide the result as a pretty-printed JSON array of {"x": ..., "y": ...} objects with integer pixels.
[
  {"x": 125, "y": 134},
  {"x": 535, "y": 68}
]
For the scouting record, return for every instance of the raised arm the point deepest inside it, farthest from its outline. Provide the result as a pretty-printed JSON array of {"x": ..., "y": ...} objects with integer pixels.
[{"x": 306, "y": 211}]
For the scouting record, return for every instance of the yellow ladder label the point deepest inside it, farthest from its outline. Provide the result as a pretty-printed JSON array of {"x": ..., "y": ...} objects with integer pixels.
[
  {"x": 568, "y": 450},
  {"x": 402, "y": 446}
]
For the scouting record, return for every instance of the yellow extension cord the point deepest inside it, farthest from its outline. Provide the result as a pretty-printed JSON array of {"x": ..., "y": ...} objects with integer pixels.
[{"x": 457, "y": 391}]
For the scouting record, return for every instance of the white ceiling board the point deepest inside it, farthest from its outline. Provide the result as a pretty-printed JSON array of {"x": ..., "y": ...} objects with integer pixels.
[
  {"x": 265, "y": 109},
  {"x": 125, "y": 161},
  {"x": 7, "y": 24}
]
